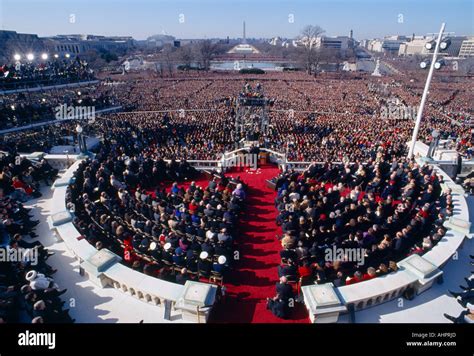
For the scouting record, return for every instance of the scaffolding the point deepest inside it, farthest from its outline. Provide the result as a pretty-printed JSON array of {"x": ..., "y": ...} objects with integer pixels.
[{"x": 251, "y": 118}]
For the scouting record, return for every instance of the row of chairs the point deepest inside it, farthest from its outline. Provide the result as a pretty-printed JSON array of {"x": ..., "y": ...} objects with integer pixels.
[{"x": 214, "y": 277}]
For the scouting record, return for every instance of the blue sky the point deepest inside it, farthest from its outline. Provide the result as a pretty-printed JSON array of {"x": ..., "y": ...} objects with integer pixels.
[{"x": 213, "y": 18}]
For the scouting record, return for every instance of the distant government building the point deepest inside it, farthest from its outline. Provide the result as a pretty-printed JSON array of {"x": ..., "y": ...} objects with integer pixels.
[
  {"x": 244, "y": 47},
  {"x": 12, "y": 42}
]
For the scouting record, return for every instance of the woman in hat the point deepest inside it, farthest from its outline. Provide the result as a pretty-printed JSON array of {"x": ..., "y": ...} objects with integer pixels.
[{"x": 204, "y": 264}]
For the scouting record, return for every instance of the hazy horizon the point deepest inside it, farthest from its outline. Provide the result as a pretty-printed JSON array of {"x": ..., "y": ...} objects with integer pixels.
[{"x": 187, "y": 19}]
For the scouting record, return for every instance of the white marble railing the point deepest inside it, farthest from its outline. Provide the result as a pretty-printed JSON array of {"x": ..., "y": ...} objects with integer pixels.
[
  {"x": 58, "y": 161},
  {"x": 202, "y": 164},
  {"x": 148, "y": 289},
  {"x": 298, "y": 166},
  {"x": 376, "y": 291}
]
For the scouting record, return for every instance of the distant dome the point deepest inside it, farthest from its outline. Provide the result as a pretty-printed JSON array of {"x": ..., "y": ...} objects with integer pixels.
[
  {"x": 160, "y": 38},
  {"x": 244, "y": 48}
]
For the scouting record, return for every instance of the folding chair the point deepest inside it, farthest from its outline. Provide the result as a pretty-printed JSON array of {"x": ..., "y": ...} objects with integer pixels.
[{"x": 216, "y": 277}]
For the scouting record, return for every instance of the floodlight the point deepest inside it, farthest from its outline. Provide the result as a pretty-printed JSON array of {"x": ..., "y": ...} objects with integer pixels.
[
  {"x": 425, "y": 64},
  {"x": 430, "y": 45},
  {"x": 445, "y": 44}
]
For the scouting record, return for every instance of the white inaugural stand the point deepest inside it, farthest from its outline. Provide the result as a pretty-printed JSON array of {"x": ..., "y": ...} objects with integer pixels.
[
  {"x": 196, "y": 301},
  {"x": 426, "y": 272},
  {"x": 322, "y": 302}
]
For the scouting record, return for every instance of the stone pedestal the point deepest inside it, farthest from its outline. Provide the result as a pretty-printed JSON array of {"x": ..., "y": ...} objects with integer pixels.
[
  {"x": 459, "y": 225},
  {"x": 426, "y": 272},
  {"x": 95, "y": 265},
  {"x": 323, "y": 303},
  {"x": 59, "y": 218},
  {"x": 196, "y": 301},
  {"x": 63, "y": 182}
]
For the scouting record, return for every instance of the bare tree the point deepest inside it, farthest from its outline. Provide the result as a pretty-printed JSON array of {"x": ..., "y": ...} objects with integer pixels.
[
  {"x": 186, "y": 55},
  {"x": 168, "y": 56},
  {"x": 160, "y": 67},
  {"x": 206, "y": 50},
  {"x": 311, "y": 51}
]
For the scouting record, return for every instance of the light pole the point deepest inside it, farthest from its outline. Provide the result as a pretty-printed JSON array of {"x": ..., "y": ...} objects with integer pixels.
[{"x": 425, "y": 94}]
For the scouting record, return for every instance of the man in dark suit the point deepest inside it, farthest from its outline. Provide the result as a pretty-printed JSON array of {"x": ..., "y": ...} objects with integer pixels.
[
  {"x": 278, "y": 307},
  {"x": 183, "y": 276},
  {"x": 284, "y": 290}
]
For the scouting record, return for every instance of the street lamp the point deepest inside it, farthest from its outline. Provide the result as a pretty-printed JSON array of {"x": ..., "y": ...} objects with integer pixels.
[
  {"x": 44, "y": 56},
  {"x": 17, "y": 57},
  {"x": 30, "y": 56},
  {"x": 425, "y": 93}
]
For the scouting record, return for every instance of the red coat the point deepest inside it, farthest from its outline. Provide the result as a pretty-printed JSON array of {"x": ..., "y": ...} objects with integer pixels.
[{"x": 20, "y": 185}]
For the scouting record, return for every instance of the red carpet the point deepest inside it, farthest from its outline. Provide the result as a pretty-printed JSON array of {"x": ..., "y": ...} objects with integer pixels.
[{"x": 254, "y": 276}]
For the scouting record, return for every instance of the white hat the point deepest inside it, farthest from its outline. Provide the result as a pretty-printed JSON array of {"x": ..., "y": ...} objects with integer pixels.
[
  {"x": 167, "y": 246},
  {"x": 31, "y": 275},
  {"x": 203, "y": 255},
  {"x": 152, "y": 246},
  {"x": 222, "y": 260}
]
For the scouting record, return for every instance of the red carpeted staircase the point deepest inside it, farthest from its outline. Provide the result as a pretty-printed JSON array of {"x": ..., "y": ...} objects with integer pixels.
[{"x": 254, "y": 275}]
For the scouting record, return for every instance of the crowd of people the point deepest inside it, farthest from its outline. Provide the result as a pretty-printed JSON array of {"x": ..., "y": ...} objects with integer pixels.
[
  {"x": 27, "y": 108},
  {"x": 25, "y": 74},
  {"x": 359, "y": 195},
  {"x": 308, "y": 118},
  {"x": 40, "y": 139},
  {"x": 121, "y": 201},
  {"x": 28, "y": 292},
  {"x": 350, "y": 223}
]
